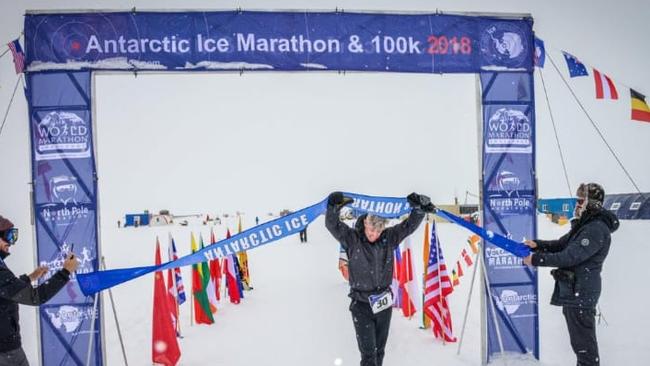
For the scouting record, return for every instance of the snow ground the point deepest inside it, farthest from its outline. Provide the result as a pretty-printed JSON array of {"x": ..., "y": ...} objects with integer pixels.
[{"x": 297, "y": 313}]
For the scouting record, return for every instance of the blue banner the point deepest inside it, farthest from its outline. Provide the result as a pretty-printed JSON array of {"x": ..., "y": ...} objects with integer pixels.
[
  {"x": 254, "y": 40},
  {"x": 274, "y": 230},
  {"x": 509, "y": 204},
  {"x": 65, "y": 209}
]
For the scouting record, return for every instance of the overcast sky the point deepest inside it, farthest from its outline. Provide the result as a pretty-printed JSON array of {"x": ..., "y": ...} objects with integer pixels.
[{"x": 203, "y": 142}]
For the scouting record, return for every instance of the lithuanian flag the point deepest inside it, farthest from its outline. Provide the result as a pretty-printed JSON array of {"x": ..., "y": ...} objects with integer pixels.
[
  {"x": 640, "y": 110},
  {"x": 202, "y": 310}
]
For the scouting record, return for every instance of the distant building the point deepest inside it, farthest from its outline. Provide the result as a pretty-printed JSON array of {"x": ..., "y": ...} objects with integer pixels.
[
  {"x": 158, "y": 220},
  {"x": 138, "y": 219},
  {"x": 562, "y": 207}
]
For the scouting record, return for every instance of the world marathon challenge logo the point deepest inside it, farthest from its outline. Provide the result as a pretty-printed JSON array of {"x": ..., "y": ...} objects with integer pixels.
[
  {"x": 504, "y": 44},
  {"x": 62, "y": 135},
  {"x": 508, "y": 131}
]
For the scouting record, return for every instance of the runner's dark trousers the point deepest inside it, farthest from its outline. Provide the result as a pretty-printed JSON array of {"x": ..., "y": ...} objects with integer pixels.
[{"x": 372, "y": 332}]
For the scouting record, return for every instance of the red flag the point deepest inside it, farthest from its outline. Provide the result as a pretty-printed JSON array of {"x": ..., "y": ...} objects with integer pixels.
[
  {"x": 230, "y": 269},
  {"x": 605, "y": 88},
  {"x": 459, "y": 270},
  {"x": 164, "y": 345},
  {"x": 407, "y": 283},
  {"x": 467, "y": 258}
]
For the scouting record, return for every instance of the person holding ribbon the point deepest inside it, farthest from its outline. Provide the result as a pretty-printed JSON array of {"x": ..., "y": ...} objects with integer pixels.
[
  {"x": 18, "y": 290},
  {"x": 369, "y": 247},
  {"x": 578, "y": 257}
]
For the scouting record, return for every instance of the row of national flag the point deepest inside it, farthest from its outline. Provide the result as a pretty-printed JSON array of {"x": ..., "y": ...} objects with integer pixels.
[
  {"x": 603, "y": 85},
  {"x": 207, "y": 280}
]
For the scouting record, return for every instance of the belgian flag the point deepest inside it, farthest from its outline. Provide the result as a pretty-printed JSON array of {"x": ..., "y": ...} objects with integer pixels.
[{"x": 640, "y": 109}]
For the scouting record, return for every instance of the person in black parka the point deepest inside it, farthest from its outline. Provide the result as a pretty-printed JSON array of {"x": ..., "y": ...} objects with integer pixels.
[
  {"x": 369, "y": 247},
  {"x": 578, "y": 257},
  {"x": 18, "y": 290}
]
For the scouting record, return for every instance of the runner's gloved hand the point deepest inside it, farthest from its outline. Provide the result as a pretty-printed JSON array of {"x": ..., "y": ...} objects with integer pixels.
[
  {"x": 338, "y": 199},
  {"x": 429, "y": 208},
  {"x": 418, "y": 200}
]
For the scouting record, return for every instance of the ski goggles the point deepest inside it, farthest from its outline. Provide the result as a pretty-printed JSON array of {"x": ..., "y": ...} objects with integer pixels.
[{"x": 10, "y": 235}]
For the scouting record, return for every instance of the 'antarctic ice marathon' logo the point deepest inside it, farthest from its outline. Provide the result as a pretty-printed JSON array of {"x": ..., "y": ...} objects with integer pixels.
[
  {"x": 69, "y": 318},
  {"x": 505, "y": 196},
  {"x": 64, "y": 207},
  {"x": 504, "y": 44},
  {"x": 62, "y": 135},
  {"x": 510, "y": 301},
  {"x": 508, "y": 131}
]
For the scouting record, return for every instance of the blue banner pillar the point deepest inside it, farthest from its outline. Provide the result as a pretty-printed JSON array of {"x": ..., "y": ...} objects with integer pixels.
[
  {"x": 65, "y": 209},
  {"x": 509, "y": 208}
]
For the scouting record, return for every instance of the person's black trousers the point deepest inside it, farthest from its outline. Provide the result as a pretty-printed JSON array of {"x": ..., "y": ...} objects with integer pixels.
[
  {"x": 582, "y": 332},
  {"x": 372, "y": 332}
]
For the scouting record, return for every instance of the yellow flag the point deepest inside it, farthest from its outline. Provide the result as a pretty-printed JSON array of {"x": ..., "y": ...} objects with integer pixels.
[
  {"x": 426, "y": 322},
  {"x": 243, "y": 262}
]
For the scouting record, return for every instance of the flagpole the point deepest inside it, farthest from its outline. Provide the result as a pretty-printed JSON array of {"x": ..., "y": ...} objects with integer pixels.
[
  {"x": 407, "y": 263},
  {"x": 92, "y": 330},
  {"x": 469, "y": 299},
  {"x": 425, "y": 260},
  {"x": 170, "y": 256},
  {"x": 11, "y": 101},
  {"x": 491, "y": 299},
  {"x": 117, "y": 323}
]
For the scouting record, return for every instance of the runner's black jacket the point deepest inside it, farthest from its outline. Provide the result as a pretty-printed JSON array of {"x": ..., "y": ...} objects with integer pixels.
[
  {"x": 370, "y": 264},
  {"x": 579, "y": 257},
  {"x": 18, "y": 290}
]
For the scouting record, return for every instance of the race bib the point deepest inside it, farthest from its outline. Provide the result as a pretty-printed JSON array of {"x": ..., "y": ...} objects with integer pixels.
[{"x": 381, "y": 302}]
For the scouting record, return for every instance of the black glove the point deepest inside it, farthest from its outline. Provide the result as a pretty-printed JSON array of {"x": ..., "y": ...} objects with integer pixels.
[
  {"x": 418, "y": 200},
  {"x": 338, "y": 199},
  {"x": 429, "y": 208}
]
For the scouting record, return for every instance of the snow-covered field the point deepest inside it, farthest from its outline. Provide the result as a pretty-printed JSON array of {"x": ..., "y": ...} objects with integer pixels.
[{"x": 297, "y": 313}]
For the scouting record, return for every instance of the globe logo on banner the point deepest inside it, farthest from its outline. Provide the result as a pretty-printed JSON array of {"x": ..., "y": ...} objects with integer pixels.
[
  {"x": 505, "y": 196},
  {"x": 65, "y": 207},
  {"x": 62, "y": 135},
  {"x": 64, "y": 188},
  {"x": 503, "y": 44},
  {"x": 510, "y": 301},
  {"x": 68, "y": 318},
  {"x": 69, "y": 42},
  {"x": 508, "y": 131},
  {"x": 508, "y": 182}
]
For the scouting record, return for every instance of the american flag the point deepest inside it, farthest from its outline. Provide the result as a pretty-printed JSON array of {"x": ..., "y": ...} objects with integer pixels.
[
  {"x": 18, "y": 54},
  {"x": 180, "y": 289},
  {"x": 436, "y": 288}
]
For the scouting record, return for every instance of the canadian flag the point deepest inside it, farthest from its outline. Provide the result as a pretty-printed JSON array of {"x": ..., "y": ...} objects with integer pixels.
[
  {"x": 408, "y": 287},
  {"x": 605, "y": 88}
]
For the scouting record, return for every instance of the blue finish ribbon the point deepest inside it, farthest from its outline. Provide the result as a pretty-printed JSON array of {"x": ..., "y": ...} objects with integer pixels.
[{"x": 274, "y": 230}]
